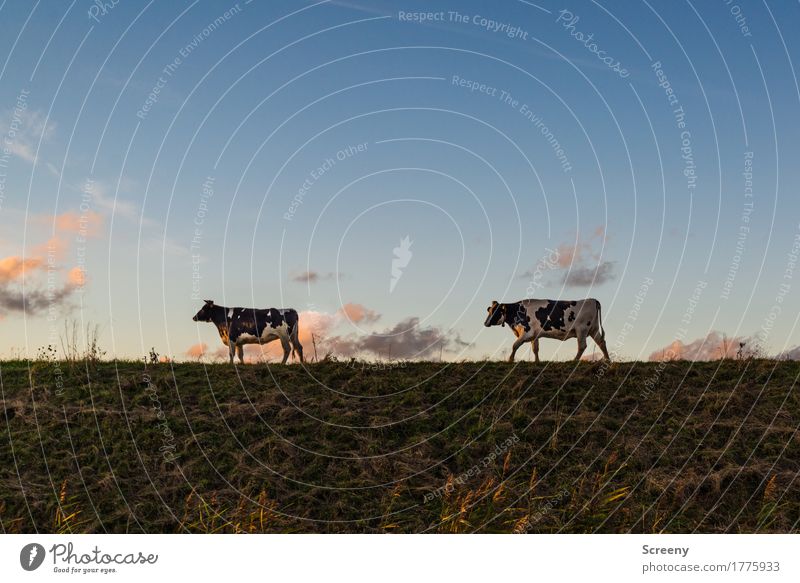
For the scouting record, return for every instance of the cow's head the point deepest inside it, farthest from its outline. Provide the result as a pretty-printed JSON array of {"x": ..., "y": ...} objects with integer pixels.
[
  {"x": 204, "y": 315},
  {"x": 497, "y": 315}
]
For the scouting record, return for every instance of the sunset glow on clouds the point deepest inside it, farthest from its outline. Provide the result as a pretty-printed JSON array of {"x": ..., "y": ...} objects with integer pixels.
[
  {"x": 14, "y": 267},
  {"x": 76, "y": 276},
  {"x": 197, "y": 350},
  {"x": 49, "y": 284},
  {"x": 359, "y": 313},
  {"x": 715, "y": 346}
]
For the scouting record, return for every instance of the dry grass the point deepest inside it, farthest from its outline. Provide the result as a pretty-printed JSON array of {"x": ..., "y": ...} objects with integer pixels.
[{"x": 208, "y": 448}]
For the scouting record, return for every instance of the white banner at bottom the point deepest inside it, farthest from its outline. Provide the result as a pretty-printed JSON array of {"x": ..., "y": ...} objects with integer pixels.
[{"x": 371, "y": 558}]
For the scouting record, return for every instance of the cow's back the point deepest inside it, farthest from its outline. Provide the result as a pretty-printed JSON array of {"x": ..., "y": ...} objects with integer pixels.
[
  {"x": 562, "y": 319},
  {"x": 260, "y": 324}
]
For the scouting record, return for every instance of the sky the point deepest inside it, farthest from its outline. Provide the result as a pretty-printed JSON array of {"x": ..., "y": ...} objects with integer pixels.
[{"x": 390, "y": 168}]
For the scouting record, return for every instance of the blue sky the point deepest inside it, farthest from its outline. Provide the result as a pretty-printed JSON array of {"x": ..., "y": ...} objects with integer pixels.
[{"x": 486, "y": 138}]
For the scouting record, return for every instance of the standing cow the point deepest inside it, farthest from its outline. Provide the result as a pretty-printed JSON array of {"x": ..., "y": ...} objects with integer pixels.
[
  {"x": 240, "y": 326},
  {"x": 534, "y": 319}
]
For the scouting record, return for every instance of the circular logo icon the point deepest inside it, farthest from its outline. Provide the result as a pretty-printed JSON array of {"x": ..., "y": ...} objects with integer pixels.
[{"x": 31, "y": 556}]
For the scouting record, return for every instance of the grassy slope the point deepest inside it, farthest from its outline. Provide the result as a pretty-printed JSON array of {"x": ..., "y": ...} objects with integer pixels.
[{"x": 714, "y": 448}]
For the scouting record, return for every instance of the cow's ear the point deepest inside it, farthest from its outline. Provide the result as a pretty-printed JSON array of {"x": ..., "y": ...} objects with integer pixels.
[{"x": 210, "y": 302}]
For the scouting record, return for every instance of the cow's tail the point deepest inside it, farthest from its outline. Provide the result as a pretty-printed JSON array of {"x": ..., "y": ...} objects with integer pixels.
[
  {"x": 600, "y": 321},
  {"x": 294, "y": 339}
]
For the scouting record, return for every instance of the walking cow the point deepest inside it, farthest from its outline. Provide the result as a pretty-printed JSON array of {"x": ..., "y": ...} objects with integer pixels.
[
  {"x": 240, "y": 326},
  {"x": 559, "y": 319}
]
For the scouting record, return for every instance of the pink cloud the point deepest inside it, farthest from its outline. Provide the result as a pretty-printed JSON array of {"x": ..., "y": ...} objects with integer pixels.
[
  {"x": 77, "y": 276},
  {"x": 714, "y": 346},
  {"x": 359, "y": 313},
  {"x": 197, "y": 350},
  {"x": 578, "y": 253},
  {"x": 37, "y": 297},
  {"x": 14, "y": 266}
]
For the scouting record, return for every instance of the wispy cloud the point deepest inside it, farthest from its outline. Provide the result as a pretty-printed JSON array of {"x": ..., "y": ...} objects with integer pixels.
[
  {"x": 314, "y": 276},
  {"x": 115, "y": 205},
  {"x": 588, "y": 276},
  {"x": 87, "y": 224},
  {"x": 24, "y": 130}
]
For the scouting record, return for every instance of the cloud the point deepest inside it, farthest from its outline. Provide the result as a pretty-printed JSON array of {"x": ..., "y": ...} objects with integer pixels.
[
  {"x": 791, "y": 354},
  {"x": 14, "y": 267},
  {"x": 164, "y": 245},
  {"x": 197, "y": 350},
  {"x": 581, "y": 260},
  {"x": 55, "y": 247},
  {"x": 117, "y": 205},
  {"x": 317, "y": 323},
  {"x": 76, "y": 277},
  {"x": 714, "y": 346},
  {"x": 580, "y": 252},
  {"x": 201, "y": 351},
  {"x": 42, "y": 291},
  {"x": 359, "y": 313},
  {"x": 405, "y": 340},
  {"x": 313, "y": 276},
  {"x": 569, "y": 254},
  {"x": 588, "y": 276},
  {"x": 23, "y": 129},
  {"x": 34, "y": 301},
  {"x": 88, "y": 224}
]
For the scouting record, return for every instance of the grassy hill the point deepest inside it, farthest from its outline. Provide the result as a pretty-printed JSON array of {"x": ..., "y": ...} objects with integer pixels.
[{"x": 426, "y": 447}]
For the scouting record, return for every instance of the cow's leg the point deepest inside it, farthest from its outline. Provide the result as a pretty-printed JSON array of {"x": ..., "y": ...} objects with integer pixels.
[
  {"x": 601, "y": 342},
  {"x": 286, "y": 349},
  {"x": 517, "y": 343},
  {"x": 581, "y": 346},
  {"x": 231, "y": 349},
  {"x": 535, "y": 343},
  {"x": 240, "y": 353}
]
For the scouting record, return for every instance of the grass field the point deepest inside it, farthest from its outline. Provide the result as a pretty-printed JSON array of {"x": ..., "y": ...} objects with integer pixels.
[{"x": 426, "y": 447}]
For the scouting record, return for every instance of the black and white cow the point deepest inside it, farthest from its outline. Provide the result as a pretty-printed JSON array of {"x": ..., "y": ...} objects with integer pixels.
[
  {"x": 559, "y": 319},
  {"x": 240, "y": 326}
]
